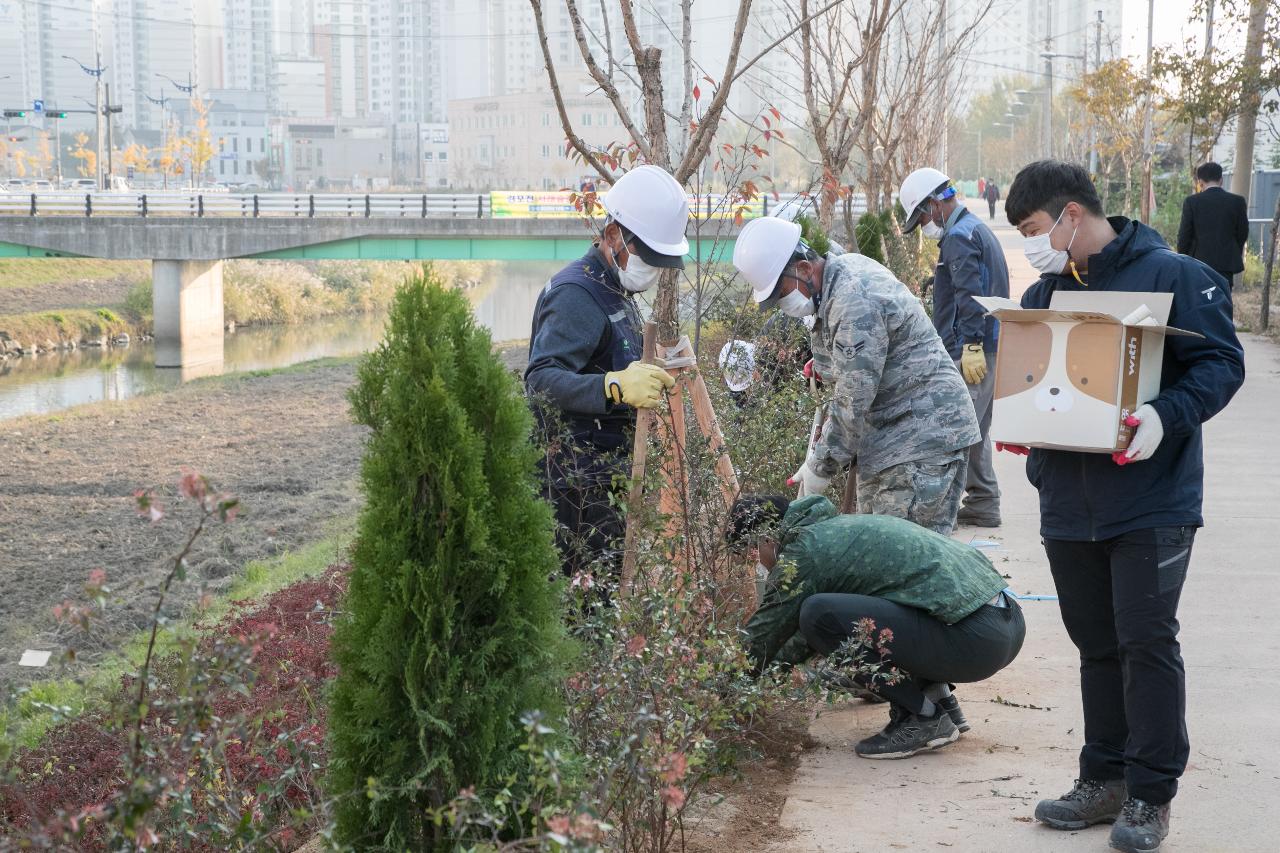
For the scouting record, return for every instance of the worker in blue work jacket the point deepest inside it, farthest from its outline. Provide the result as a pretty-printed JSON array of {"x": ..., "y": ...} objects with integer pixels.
[
  {"x": 970, "y": 263},
  {"x": 585, "y": 377}
]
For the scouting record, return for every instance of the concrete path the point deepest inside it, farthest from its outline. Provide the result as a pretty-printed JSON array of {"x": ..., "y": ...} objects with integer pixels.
[{"x": 978, "y": 794}]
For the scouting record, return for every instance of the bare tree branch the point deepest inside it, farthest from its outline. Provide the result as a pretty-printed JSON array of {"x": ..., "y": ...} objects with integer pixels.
[
  {"x": 576, "y": 141},
  {"x": 604, "y": 81},
  {"x": 779, "y": 40},
  {"x": 702, "y": 137}
]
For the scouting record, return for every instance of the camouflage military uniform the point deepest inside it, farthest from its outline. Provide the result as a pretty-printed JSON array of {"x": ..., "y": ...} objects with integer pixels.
[{"x": 900, "y": 407}]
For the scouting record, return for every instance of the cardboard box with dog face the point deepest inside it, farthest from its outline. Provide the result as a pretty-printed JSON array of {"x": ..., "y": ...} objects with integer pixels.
[{"x": 1068, "y": 376}]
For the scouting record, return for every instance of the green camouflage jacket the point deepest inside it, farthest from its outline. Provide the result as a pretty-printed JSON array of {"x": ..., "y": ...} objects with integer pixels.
[
  {"x": 877, "y": 555},
  {"x": 898, "y": 396}
]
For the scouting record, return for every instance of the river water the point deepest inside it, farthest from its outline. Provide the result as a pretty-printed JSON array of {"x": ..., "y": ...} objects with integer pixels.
[{"x": 503, "y": 303}]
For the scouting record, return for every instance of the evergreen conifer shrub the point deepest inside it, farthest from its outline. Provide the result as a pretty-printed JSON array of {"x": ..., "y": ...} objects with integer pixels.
[{"x": 451, "y": 629}]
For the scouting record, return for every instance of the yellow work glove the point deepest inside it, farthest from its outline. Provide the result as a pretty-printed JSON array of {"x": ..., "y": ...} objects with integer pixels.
[
  {"x": 638, "y": 385},
  {"x": 973, "y": 363}
]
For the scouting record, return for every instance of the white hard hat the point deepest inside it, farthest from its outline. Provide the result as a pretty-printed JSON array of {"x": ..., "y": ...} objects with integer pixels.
[
  {"x": 738, "y": 361},
  {"x": 762, "y": 251},
  {"x": 920, "y": 185},
  {"x": 649, "y": 203}
]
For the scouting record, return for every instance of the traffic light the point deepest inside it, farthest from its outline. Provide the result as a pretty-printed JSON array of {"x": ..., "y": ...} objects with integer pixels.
[
  {"x": 15, "y": 113},
  {"x": 56, "y": 115},
  {"x": 17, "y": 139}
]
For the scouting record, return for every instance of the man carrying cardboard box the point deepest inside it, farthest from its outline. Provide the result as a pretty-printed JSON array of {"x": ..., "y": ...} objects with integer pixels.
[{"x": 1118, "y": 532}]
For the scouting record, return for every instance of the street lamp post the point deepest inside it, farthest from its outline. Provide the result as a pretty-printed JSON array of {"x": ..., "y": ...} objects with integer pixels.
[
  {"x": 978, "y": 133},
  {"x": 96, "y": 73},
  {"x": 1046, "y": 124},
  {"x": 164, "y": 132},
  {"x": 190, "y": 91}
]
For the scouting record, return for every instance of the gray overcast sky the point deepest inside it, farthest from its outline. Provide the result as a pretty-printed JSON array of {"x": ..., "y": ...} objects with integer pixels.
[{"x": 1171, "y": 26}]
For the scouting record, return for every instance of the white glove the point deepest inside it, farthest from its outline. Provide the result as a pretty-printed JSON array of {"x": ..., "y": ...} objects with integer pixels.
[
  {"x": 1148, "y": 435},
  {"x": 809, "y": 481}
]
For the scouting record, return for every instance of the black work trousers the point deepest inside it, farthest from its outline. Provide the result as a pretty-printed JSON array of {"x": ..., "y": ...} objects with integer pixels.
[
  {"x": 586, "y": 483},
  {"x": 927, "y": 650},
  {"x": 1119, "y": 602}
]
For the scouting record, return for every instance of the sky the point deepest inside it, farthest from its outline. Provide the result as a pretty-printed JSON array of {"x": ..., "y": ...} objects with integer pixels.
[{"x": 1171, "y": 26}]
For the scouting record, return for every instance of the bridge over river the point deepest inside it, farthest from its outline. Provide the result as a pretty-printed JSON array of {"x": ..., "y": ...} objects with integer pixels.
[{"x": 187, "y": 236}]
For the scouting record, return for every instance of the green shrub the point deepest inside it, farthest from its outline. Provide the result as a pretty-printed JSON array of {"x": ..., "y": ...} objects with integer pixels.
[
  {"x": 870, "y": 231},
  {"x": 452, "y": 628},
  {"x": 138, "y": 300}
]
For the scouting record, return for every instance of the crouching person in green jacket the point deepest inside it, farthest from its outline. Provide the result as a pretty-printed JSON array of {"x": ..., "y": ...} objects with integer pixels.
[{"x": 951, "y": 620}]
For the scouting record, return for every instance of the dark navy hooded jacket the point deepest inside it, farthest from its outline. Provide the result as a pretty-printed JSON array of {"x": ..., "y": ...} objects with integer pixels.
[{"x": 1087, "y": 496}]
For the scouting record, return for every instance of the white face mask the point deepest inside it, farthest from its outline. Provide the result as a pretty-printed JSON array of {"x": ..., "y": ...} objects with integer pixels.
[
  {"x": 796, "y": 304},
  {"x": 1041, "y": 254},
  {"x": 932, "y": 230},
  {"x": 638, "y": 276}
]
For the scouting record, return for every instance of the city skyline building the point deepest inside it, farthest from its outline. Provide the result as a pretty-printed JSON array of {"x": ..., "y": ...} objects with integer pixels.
[{"x": 149, "y": 41}]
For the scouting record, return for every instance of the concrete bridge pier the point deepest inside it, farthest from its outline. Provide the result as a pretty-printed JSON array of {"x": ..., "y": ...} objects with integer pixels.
[{"x": 186, "y": 300}]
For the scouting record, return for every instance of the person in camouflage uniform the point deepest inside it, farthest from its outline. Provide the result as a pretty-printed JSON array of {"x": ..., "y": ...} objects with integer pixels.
[
  {"x": 900, "y": 408},
  {"x": 943, "y": 602}
]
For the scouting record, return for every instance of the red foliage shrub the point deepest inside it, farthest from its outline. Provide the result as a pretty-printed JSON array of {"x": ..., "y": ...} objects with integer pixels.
[{"x": 79, "y": 765}]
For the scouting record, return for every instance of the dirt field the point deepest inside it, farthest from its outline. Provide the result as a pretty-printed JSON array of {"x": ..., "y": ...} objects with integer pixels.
[
  {"x": 71, "y": 294},
  {"x": 282, "y": 443}
]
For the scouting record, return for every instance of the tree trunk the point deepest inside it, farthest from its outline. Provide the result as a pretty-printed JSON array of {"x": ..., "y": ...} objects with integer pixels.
[
  {"x": 1247, "y": 123},
  {"x": 1265, "y": 320}
]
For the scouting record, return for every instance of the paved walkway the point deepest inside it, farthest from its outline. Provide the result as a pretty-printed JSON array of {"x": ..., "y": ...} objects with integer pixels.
[{"x": 978, "y": 794}]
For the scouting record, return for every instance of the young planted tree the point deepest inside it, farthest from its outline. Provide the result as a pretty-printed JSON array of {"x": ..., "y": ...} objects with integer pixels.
[
  {"x": 199, "y": 147},
  {"x": 87, "y": 156},
  {"x": 452, "y": 628},
  {"x": 840, "y": 58},
  {"x": 1113, "y": 97},
  {"x": 631, "y": 74}
]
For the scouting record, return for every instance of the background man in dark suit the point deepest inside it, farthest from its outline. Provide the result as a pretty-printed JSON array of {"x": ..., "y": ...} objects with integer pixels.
[{"x": 1215, "y": 224}]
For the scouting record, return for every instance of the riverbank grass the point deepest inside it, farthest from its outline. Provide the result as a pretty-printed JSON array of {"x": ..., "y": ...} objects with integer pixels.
[
  {"x": 32, "y": 272},
  {"x": 70, "y": 324},
  {"x": 44, "y": 704}
]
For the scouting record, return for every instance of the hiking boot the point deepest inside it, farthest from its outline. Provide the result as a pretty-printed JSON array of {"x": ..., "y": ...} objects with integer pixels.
[
  {"x": 1141, "y": 827},
  {"x": 977, "y": 519},
  {"x": 951, "y": 705},
  {"x": 1087, "y": 803},
  {"x": 908, "y": 734}
]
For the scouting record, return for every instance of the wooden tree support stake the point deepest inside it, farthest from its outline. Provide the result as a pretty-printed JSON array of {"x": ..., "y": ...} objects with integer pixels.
[
  {"x": 640, "y": 453},
  {"x": 682, "y": 364}
]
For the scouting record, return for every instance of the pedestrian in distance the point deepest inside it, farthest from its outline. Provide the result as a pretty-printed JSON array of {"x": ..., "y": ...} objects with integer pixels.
[
  {"x": 945, "y": 605},
  {"x": 1118, "y": 531},
  {"x": 1215, "y": 225},
  {"x": 970, "y": 263},
  {"x": 991, "y": 192},
  {"x": 898, "y": 407},
  {"x": 585, "y": 377}
]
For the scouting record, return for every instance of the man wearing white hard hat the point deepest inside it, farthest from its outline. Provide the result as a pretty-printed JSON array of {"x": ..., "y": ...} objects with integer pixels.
[
  {"x": 899, "y": 408},
  {"x": 584, "y": 374},
  {"x": 970, "y": 263}
]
